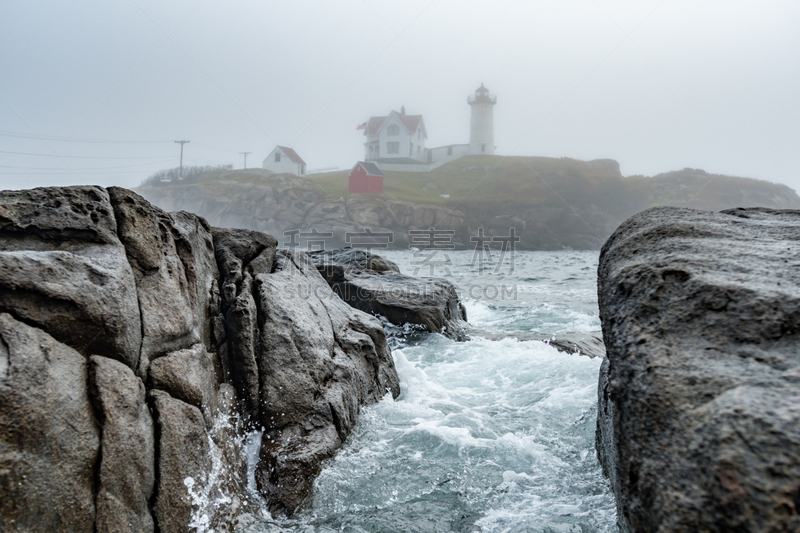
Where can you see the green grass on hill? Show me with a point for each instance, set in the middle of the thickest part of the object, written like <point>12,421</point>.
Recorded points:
<point>493,179</point>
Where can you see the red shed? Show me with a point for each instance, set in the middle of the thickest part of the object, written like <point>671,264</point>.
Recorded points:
<point>366,177</point>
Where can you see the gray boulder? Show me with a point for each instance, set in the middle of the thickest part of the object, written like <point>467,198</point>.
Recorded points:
<point>127,473</point>
<point>235,250</point>
<point>300,371</point>
<point>185,329</point>
<point>318,364</point>
<point>63,269</point>
<point>195,246</point>
<point>375,285</point>
<point>183,462</point>
<point>49,443</point>
<point>698,420</point>
<point>173,278</point>
<point>190,375</point>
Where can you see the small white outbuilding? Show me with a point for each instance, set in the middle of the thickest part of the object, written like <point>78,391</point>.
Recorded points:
<point>284,160</point>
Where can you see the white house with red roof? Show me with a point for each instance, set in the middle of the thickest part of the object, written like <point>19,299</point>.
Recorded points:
<point>395,138</point>
<point>397,141</point>
<point>284,160</point>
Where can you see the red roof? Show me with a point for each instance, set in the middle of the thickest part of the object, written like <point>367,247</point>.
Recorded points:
<point>373,125</point>
<point>292,155</point>
<point>411,122</point>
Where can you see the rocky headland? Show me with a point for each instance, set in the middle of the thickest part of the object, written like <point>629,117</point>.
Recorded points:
<point>277,204</point>
<point>699,400</point>
<point>552,204</point>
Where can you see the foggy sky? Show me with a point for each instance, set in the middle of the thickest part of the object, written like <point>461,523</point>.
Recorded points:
<point>656,85</point>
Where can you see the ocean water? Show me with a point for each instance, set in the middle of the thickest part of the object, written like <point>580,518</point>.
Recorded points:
<point>487,435</point>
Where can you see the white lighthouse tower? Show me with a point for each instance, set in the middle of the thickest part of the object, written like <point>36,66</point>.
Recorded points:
<point>481,132</point>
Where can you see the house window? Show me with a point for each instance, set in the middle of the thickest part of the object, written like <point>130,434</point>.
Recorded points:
<point>410,148</point>
<point>277,157</point>
<point>393,148</point>
<point>483,148</point>
<point>419,134</point>
<point>418,149</point>
<point>302,170</point>
<point>393,130</point>
<point>449,150</point>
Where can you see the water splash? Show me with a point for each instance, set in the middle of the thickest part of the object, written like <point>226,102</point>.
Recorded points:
<point>228,499</point>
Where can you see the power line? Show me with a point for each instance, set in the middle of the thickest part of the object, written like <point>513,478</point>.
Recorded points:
<point>62,139</point>
<point>91,168</point>
<point>214,161</point>
<point>69,172</point>
<point>81,156</point>
<point>245,158</point>
<point>99,141</point>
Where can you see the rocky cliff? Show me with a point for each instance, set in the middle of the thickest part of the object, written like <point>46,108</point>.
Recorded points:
<point>140,349</point>
<point>275,204</point>
<point>699,405</point>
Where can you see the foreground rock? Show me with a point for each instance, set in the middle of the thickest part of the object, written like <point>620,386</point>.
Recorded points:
<point>303,371</point>
<point>375,285</point>
<point>325,361</point>
<point>235,250</point>
<point>172,258</point>
<point>699,403</point>
<point>49,443</point>
<point>183,460</point>
<point>63,269</point>
<point>137,347</point>
<point>127,473</point>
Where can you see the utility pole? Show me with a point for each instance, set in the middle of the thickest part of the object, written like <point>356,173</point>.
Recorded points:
<point>245,158</point>
<point>180,176</point>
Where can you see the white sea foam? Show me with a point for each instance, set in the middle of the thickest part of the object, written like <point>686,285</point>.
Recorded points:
<point>494,424</point>
<point>216,499</point>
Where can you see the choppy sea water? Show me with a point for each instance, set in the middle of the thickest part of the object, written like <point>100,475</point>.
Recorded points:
<point>488,436</point>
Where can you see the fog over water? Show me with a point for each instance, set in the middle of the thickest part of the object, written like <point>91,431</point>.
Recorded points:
<point>656,84</point>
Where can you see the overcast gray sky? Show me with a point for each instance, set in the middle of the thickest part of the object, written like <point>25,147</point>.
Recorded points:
<point>656,85</point>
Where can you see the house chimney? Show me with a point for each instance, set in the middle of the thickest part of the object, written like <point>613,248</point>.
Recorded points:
<point>403,110</point>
